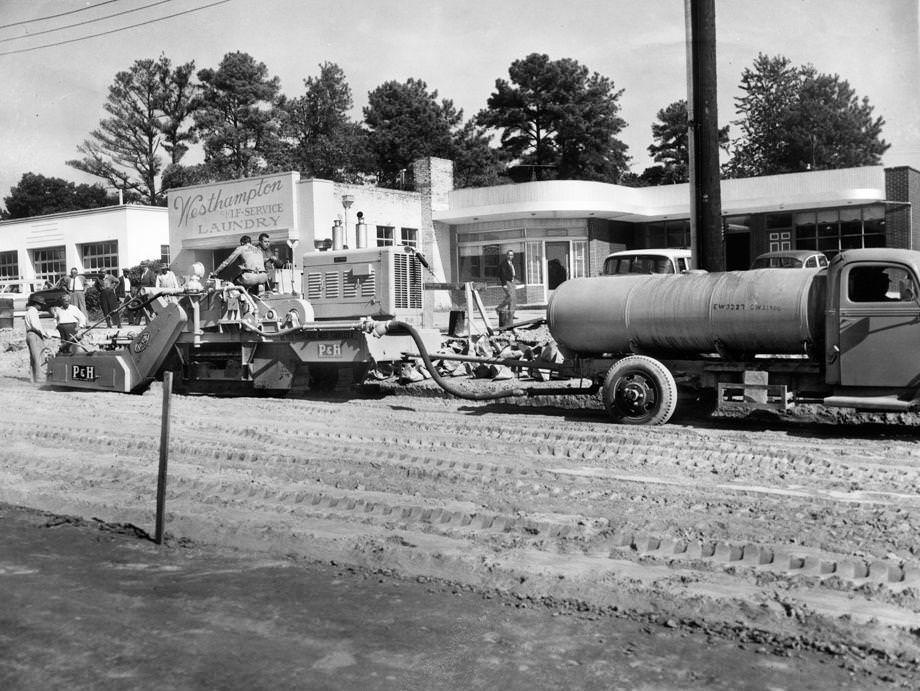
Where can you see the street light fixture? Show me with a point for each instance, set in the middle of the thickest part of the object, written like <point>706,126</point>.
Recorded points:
<point>347,201</point>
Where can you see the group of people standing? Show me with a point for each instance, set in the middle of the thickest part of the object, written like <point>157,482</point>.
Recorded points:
<point>255,270</point>
<point>72,314</point>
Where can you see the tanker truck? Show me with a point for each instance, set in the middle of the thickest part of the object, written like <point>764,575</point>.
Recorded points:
<point>847,336</point>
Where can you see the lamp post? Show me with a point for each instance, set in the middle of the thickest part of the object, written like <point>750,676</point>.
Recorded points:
<point>347,201</point>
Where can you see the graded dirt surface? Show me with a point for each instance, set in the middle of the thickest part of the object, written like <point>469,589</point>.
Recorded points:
<point>91,605</point>
<point>788,534</point>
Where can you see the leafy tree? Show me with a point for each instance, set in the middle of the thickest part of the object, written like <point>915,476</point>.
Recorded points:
<point>36,195</point>
<point>178,101</point>
<point>148,104</point>
<point>555,114</point>
<point>236,116</point>
<point>671,147</point>
<point>407,122</point>
<point>476,163</point>
<point>325,142</point>
<point>795,119</point>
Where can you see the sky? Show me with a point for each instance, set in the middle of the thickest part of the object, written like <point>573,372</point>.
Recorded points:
<point>53,96</point>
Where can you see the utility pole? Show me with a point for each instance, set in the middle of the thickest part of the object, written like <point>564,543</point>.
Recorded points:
<point>706,242</point>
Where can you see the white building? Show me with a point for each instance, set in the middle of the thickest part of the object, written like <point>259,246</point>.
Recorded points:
<point>44,248</point>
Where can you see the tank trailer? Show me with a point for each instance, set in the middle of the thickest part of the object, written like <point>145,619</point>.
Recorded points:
<point>847,336</point>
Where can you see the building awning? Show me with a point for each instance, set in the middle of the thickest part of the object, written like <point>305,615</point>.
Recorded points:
<point>583,199</point>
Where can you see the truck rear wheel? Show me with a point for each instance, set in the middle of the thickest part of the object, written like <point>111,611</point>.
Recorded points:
<point>639,390</point>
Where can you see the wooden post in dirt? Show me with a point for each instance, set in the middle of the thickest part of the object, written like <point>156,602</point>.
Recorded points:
<point>164,456</point>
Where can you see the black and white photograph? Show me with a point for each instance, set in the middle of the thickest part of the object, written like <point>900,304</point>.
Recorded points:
<point>431,344</point>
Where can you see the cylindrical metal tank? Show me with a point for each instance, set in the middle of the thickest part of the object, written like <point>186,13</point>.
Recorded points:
<point>338,235</point>
<point>763,311</point>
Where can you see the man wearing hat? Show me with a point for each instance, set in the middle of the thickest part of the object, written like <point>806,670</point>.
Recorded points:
<point>35,336</point>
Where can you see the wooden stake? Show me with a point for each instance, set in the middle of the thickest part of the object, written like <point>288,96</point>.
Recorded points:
<point>164,456</point>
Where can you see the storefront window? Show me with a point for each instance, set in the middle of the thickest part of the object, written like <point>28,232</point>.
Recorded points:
<point>579,259</point>
<point>534,262</point>
<point>669,234</point>
<point>834,230</point>
<point>9,265</point>
<point>480,262</point>
<point>100,256</point>
<point>49,263</point>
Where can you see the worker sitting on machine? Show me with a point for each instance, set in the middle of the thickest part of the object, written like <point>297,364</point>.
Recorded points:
<point>251,265</point>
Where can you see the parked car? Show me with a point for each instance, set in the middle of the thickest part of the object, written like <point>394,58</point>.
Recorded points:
<point>648,261</point>
<point>791,259</point>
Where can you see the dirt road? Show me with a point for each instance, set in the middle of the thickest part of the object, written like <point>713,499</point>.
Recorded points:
<point>781,532</point>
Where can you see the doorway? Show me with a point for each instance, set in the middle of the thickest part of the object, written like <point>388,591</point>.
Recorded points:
<point>557,263</point>
<point>737,251</point>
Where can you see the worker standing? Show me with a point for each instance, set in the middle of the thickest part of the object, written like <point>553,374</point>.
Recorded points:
<point>108,300</point>
<point>76,286</point>
<point>271,260</point>
<point>123,287</point>
<point>35,337</point>
<point>508,305</point>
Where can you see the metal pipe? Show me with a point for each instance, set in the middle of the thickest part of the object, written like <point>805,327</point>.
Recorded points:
<point>509,362</point>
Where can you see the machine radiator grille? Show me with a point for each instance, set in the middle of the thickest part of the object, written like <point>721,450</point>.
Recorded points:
<point>331,284</point>
<point>362,285</point>
<point>314,286</point>
<point>368,288</point>
<point>407,282</point>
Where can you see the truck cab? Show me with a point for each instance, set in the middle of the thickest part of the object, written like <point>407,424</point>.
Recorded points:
<point>872,328</point>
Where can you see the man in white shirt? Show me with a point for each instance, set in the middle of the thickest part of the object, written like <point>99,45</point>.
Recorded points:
<point>76,285</point>
<point>166,278</point>
<point>68,319</point>
<point>35,337</point>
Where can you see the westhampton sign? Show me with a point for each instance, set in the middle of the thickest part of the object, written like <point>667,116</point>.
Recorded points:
<point>237,207</point>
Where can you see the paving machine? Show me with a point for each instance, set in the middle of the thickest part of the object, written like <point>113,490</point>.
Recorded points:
<point>216,337</point>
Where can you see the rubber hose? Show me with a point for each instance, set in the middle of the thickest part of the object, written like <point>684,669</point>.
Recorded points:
<point>449,387</point>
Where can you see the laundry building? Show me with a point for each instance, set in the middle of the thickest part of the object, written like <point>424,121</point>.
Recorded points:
<point>42,249</point>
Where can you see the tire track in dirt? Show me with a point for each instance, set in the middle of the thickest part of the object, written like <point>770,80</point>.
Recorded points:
<point>433,486</point>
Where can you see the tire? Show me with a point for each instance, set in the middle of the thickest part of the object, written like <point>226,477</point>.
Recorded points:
<point>639,390</point>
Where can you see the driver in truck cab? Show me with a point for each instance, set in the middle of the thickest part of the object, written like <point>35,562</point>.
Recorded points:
<point>250,262</point>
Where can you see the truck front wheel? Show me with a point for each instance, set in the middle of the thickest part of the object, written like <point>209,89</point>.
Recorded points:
<point>639,390</point>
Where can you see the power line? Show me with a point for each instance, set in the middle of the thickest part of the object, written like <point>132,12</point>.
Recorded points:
<point>55,16</point>
<point>88,21</point>
<point>113,31</point>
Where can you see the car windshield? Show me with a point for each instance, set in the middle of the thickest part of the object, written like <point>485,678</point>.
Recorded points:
<point>777,263</point>
<point>638,264</point>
